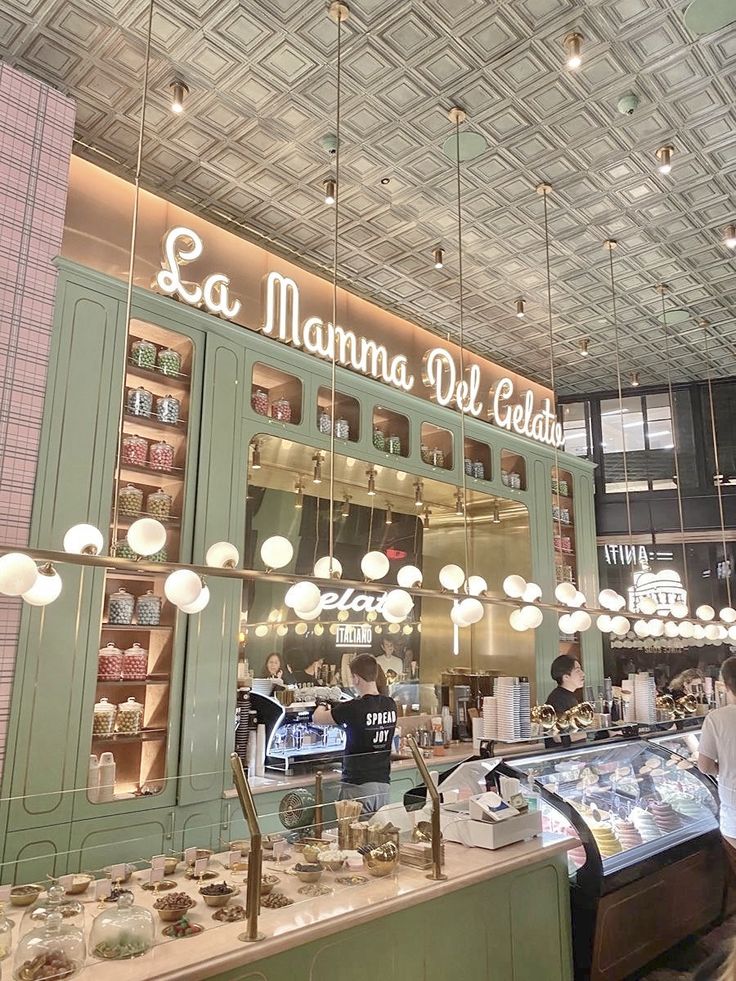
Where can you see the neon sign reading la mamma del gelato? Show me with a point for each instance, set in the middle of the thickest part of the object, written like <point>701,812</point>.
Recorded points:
<point>283,319</point>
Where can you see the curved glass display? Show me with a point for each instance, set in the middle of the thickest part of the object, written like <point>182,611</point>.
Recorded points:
<point>685,744</point>
<point>631,800</point>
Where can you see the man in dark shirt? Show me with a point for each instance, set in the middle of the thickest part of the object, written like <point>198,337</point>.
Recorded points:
<point>568,674</point>
<point>369,722</point>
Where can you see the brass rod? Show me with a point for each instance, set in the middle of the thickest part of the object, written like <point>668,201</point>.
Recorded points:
<point>318,802</point>
<point>255,857</point>
<point>429,783</point>
<point>154,568</point>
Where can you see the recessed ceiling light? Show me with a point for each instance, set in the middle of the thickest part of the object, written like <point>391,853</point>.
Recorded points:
<point>573,44</point>
<point>438,257</point>
<point>584,344</point>
<point>729,236</point>
<point>385,180</point>
<point>520,312</point>
<point>330,191</point>
<point>178,92</point>
<point>664,155</point>
<point>634,379</point>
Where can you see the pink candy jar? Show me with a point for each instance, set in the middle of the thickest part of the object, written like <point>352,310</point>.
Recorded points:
<point>109,663</point>
<point>135,663</point>
<point>161,456</point>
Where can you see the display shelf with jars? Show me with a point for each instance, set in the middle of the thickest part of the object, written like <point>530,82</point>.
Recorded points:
<point>390,432</point>
<point>347,415</point>
<point>130,718</point>
<point>513,470</point>
<point>436,446</point>
<point>276,394</point>
<point>477,459</point>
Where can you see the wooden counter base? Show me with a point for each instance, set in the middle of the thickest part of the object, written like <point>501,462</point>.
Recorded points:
<point>499,915</point>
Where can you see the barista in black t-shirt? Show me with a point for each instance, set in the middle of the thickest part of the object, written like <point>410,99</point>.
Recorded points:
<point>369,722</point>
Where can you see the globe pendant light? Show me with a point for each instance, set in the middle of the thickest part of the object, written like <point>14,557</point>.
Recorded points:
<point>532,593</point>
<point>471,610</point>
<point>397,605</point>
<point>451,578</point>
<point>83,540</point>
<point>222,555</point>
<point>565,593</point>
<point>328,568</point>
<point>46,588</point>
<point>705,612</point>
<point>199,604</point>
<point>517,622</point>
<point>303,596</point>
<point>531,617</point>
<point>374,565</point>
<point>18,574</point>
<point>514,586</point>
<point>146,536</point>
<point>476,586</point>
<point>276,552</point>
<point>409,577</point>
<point>182,587</point>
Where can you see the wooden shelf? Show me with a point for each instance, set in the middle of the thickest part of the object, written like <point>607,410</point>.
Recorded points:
<point>139,737</point>
<point>140,627</point>
<point>151,422</point>
<point>126,520</point>
<point>153,374</point>
<point>131,472</point>
<point>150,680</point>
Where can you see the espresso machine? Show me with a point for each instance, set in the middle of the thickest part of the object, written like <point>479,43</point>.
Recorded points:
<point>463,692</point>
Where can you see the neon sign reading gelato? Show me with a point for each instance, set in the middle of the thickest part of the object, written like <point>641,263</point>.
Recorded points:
<point>283,320</point>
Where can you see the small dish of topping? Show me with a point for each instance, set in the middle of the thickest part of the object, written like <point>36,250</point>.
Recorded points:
<point>276,900</point>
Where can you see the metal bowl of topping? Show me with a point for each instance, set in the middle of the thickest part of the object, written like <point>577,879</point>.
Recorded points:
<point>24,895</point>
<point>218,894</point>
<point>172,907</point>
<point>268,882</point>
<point>308,873</point>
<point>80,883</point>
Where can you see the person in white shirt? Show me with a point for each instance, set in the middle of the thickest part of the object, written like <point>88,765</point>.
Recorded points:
<point>388,659</point>
<point>717,757</point>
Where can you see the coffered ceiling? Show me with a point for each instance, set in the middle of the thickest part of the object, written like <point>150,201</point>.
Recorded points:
<point>248,153</point>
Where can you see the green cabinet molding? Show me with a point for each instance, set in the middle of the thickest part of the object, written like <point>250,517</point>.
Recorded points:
<point>45,810</point>
<point>515,926</point>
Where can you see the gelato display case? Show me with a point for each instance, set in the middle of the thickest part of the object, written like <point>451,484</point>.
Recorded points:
<point>684,744</point>
<point>648,870</point>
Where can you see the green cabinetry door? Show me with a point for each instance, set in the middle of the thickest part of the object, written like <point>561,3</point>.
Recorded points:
<point>76,465</point>
<point>97,842</point>
<point>31,855</point>
<point>211,668</point>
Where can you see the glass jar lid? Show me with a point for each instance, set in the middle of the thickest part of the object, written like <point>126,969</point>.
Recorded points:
<point>130,705</point>
<point>148,596</point>
<point>121,594</point>
<point>159,494</point>
<point>104,706</point>
<point>109,649</point>
<point>136,649</point>
<point>162,443</point>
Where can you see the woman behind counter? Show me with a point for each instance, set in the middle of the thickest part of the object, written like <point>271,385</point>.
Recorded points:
<point>369,722</point>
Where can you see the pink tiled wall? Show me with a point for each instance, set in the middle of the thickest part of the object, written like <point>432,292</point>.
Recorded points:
<point>36,129</point>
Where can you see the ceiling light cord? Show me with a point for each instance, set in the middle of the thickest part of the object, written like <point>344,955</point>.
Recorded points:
<point>457,116</point>
<point>340,13</point>
<point>611,244</point>
<point>726,560</point>
<point>131,267</point>
<point>544,190</point>
<point>663,289</point>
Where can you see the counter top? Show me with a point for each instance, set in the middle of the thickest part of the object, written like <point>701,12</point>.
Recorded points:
<point>218,949</point>
<point>279,781</point>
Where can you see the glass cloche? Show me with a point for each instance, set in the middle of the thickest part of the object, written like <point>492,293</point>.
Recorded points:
<point>52,951</point>
<point>56,902</point>
<point>123,931</point>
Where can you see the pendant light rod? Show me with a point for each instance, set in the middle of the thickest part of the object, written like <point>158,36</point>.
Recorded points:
<point>719,491</point>
<point>611,244</point>
<point>339,12</point>
<point>131,269</point>
<point>663,289</point>
<point>458,116</point>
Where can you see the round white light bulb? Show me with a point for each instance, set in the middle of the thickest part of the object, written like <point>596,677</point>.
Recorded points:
<point>581,621</point>
<point>303,596</point>
<point>146,536</point>
<point>680,610</point>
<point>565,623</point>
<point>732,633</point>
<point>456,615</point>
<point>620,626</point>
<point>514,586</point>
<point>604,623</point>
<point>222,555</point>
<point>532,617</point>
<point>46,588</point>
<point>656,627</point>
<point>517,621</point>
<point>83,540</point>
<point>695,630</point>
<point>565,593</point>
<point>578,599</point>
<point>641,628</point>
<point>182,587</point>
<point>18,574</point>
<point>532,593</point>
<point>451,578</point>
<point>711,632</point>
<point>199,604</point>
<point>728,614</point>
<point>409,577</point>
<point>325,568</point>
<point>309,614</point>
<point>671,630</point>
<point>374,565</point>
<point>647,606</point>
<point>705,612</point>
<point>471,610</point>
<point>276,552</point>
<point>608,599</point>
<point>398,603</point>
<point>476,586</point>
